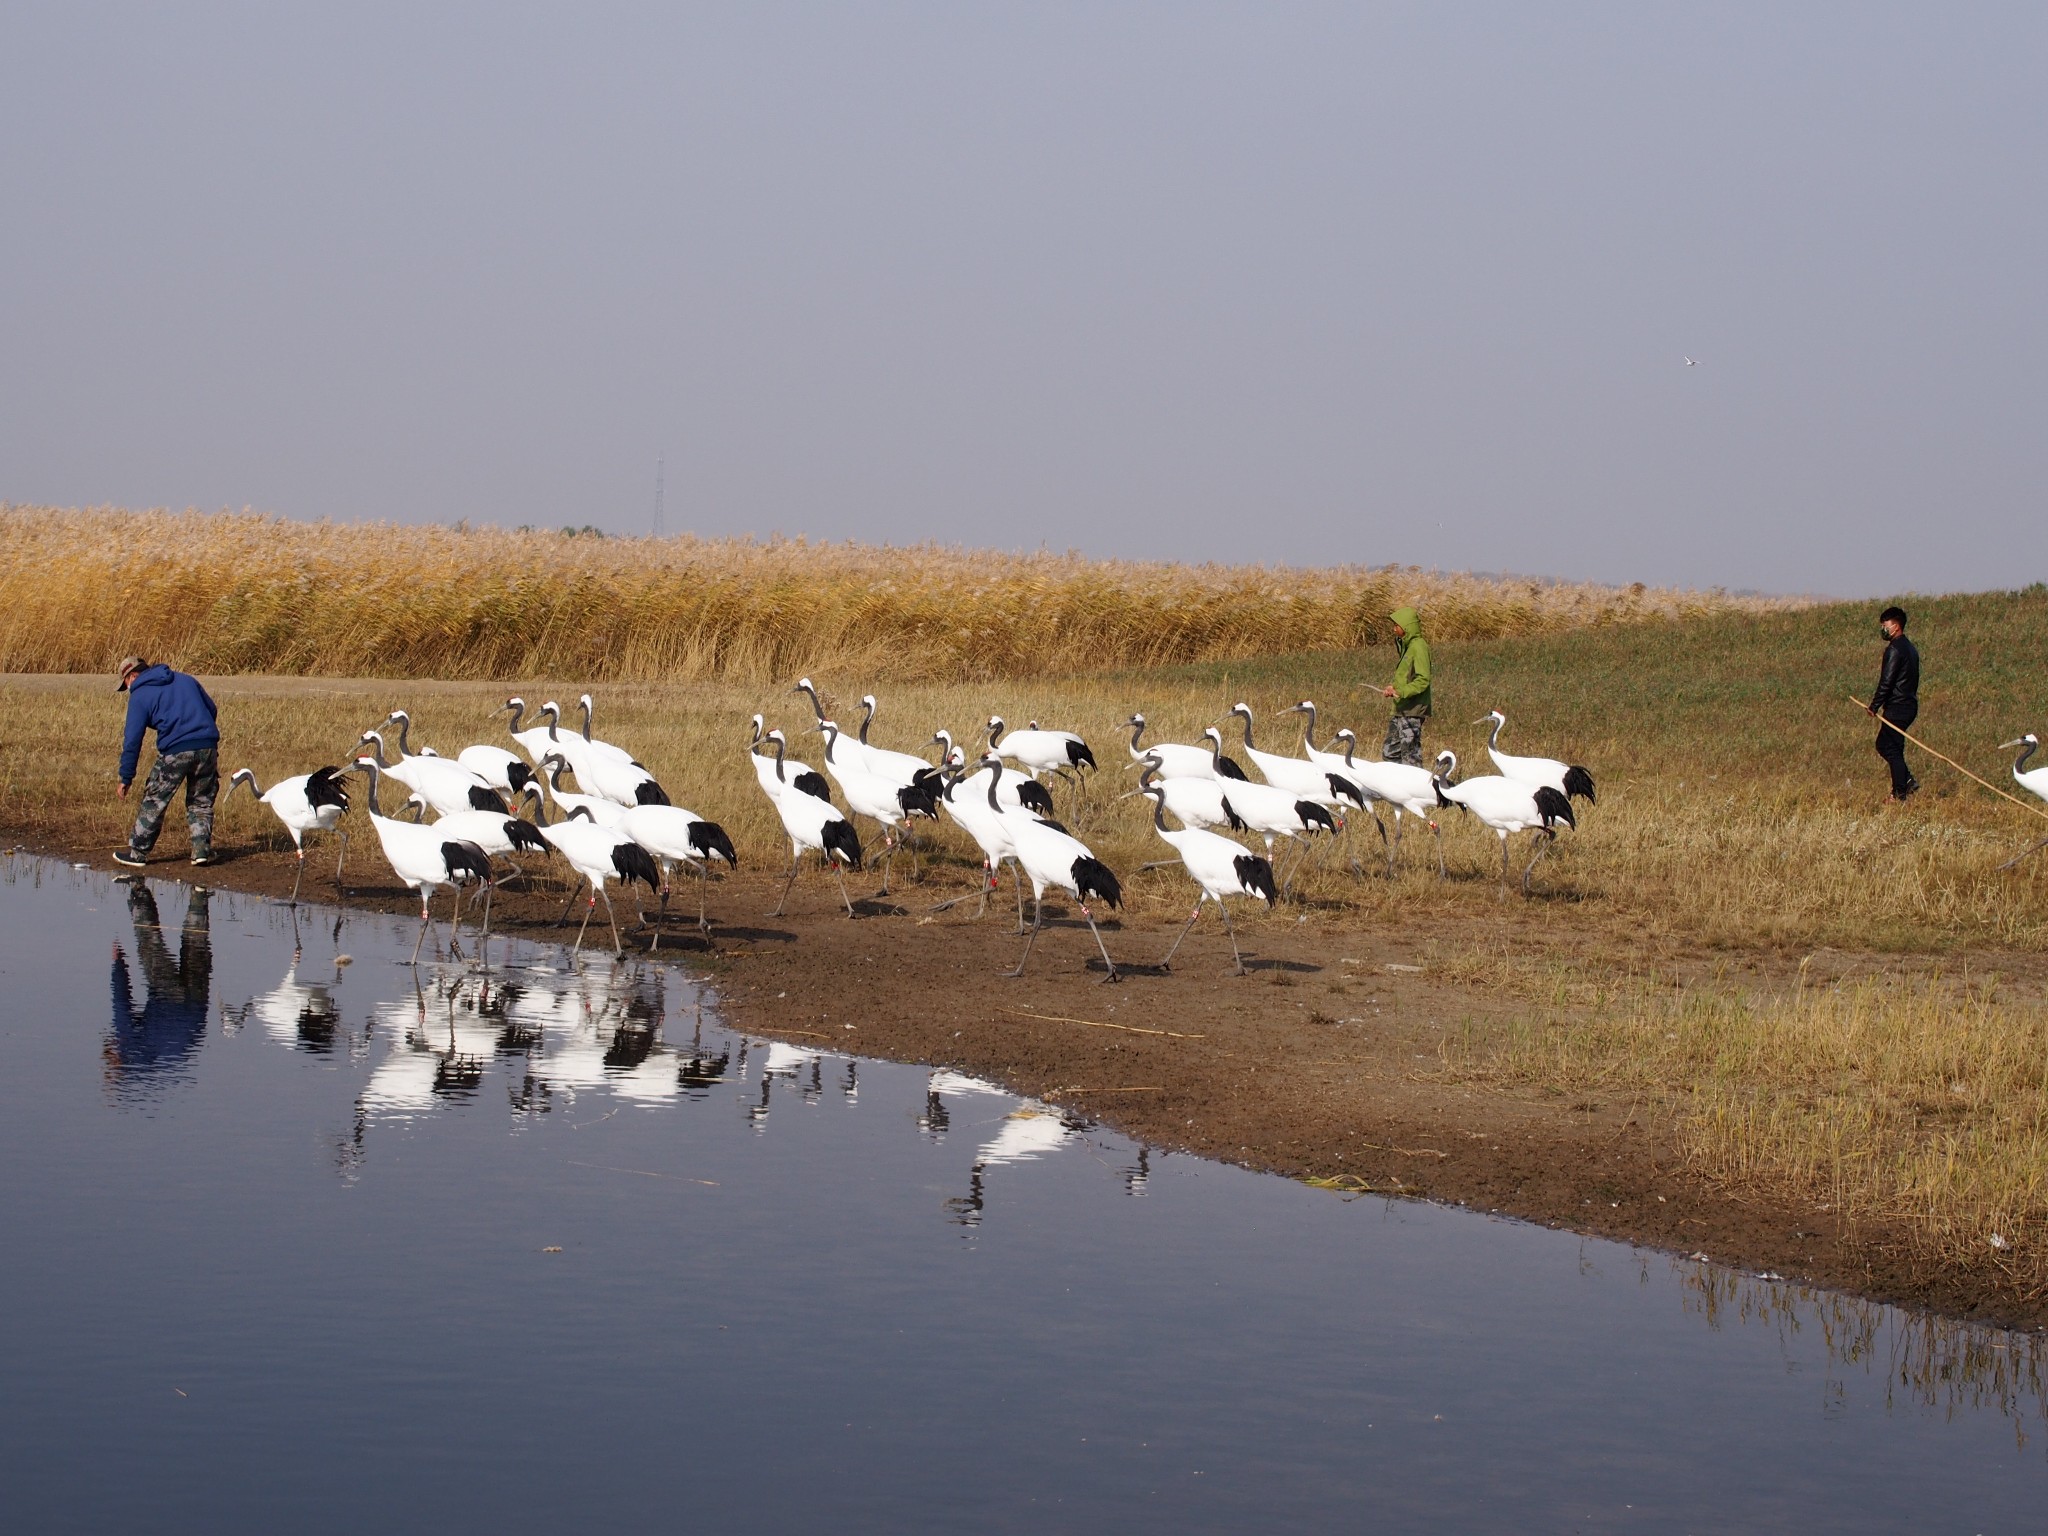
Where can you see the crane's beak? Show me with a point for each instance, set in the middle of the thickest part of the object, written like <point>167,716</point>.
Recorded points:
<point>1482,720</point>
<point>2007,746</point>
<point>1292,709</point>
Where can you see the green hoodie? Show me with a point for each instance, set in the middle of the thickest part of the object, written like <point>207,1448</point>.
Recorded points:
<point>1411,677</point>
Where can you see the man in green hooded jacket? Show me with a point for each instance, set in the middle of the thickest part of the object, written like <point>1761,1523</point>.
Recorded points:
<point>1410,691</point>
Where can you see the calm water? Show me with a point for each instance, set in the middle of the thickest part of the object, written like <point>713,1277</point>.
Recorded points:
<point>280,1254</point>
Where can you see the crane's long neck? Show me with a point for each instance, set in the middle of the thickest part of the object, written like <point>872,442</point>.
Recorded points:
<point>2026,751</point>
<point>1493,741</point>
<point>1158,812</point>
<point>404,724</point>
<point>584,705</point>
<point>376,773</point>
<point>378,756</point>
<point>1308,727</point>
<point>1137,730</point>
<point>554,719</point>
<point>516,708</point>
<point>1350,746</point>
<point>780,776</point>
<point>867,718</point>
<point>831,734</point>
<point>812,693</point>
<point>1215,740</point>
<point>248,776</point>
<point>1246,716</point>
<point>995,731</point>
<point>995,778</point>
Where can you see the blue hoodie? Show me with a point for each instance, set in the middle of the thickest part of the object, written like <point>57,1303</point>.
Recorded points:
<point>175,707</point>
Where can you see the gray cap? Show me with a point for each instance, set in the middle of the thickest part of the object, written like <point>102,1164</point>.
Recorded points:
<point>130,665</point>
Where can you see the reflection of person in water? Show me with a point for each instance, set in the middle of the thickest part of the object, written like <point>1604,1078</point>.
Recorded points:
<point>172,1021</point>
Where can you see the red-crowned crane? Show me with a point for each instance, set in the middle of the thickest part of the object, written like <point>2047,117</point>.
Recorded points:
<point>422,857</point>
<point>1042,751</point>
<point>305,802</point>
<point>598,854</point>
<point>677,836</point>
<point>1508,806</point>
<point>1059,859</point>
<point>1013,786</point>
<point>880,799</point>
<point>1179,760</point>
<point>1410,790</point>
<point>776,776</point>
<point>1569,780</point>
<point>1297,775</point>
<point>442,782</point>
<point>812,823</point>
<point>1219,867</point>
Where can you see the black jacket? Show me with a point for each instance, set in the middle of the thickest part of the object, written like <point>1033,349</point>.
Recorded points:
<point>1898,683</point>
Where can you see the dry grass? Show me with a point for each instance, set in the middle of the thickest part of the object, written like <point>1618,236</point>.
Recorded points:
<point>1913,1104</point>
<point>229,592</point>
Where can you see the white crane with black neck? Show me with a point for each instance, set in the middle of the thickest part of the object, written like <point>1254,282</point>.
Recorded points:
<point>1051,857</point>
<point>776,776</point>
<point>2033,780</point>
<point>1507,806</point>
<point>1042,751</point>
<point>424,858</point>
<point>811,824</point>
<point>1182,760</point>
<point>1410,790</point>
<point>305,802</point>
<point>442,782</point>
<point>598,854</point>
<point>1218,866</point>
<point>880,799</point>
<point>1568,779</point>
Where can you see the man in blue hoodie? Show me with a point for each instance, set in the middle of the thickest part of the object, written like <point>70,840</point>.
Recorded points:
<point>187,752</point>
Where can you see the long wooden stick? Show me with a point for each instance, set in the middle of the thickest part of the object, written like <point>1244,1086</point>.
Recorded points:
<point>1959,768</point>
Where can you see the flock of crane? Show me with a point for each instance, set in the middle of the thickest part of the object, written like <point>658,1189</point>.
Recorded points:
<point>619,824</point>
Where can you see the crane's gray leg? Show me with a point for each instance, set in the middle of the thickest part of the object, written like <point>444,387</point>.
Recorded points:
<point>1167,963</point>
<point>839,874</point>
<point>618,944</point>
<point>1442,870</point>
<point>293,899</point>
<point>703,887</point>
<point>1503,864</point>
<point>1114,974</point>
<point>1394,847</point>
<point>340,859</point>
<point>1037,921</point>
<point>785,890</point>
<point>1231,929</point>
<point>574,891</point>
<point>1543,841</point>
<point>490,887</point>
<point>425,918</point>
<point>584,926</point>
<point>888,857</point>
<point>2008,864</point>
<point>1017,873</point>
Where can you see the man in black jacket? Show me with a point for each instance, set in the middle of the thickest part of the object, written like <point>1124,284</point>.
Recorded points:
<point>1897,700</point>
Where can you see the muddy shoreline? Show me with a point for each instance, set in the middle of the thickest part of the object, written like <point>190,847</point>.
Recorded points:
<point>1325,1062</point>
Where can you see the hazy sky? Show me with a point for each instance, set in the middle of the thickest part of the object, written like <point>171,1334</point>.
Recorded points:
<point>1254,282</point>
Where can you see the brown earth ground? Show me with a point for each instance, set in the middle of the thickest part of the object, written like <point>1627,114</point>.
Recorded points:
<point>1327,1061</point>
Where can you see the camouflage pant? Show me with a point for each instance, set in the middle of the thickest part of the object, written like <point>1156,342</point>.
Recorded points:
<point>199,771</point>
<point>1404,740</point>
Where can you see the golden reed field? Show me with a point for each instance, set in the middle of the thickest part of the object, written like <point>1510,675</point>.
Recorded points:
<point>239,592</point>
<point>1829,1004</point>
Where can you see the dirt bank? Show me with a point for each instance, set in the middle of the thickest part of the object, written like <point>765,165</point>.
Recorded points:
<point>1326,1061</point>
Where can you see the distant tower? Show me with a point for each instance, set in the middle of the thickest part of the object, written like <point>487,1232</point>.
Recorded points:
<point>660,468</point>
